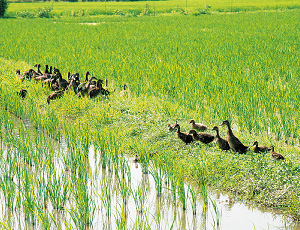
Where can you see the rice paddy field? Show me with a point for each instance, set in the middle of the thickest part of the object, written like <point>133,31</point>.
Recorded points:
<point>68,164</point>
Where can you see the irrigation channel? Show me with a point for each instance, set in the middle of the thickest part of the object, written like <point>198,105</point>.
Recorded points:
<point>120,198</point>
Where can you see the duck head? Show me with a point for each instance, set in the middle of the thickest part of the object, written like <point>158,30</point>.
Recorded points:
<point>192,121</point>
<point>215,128</point>
<point>255,143</point>
<point>226,122</point>
<point>192,131</point>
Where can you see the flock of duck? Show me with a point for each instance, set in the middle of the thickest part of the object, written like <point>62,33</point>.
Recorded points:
<point>231,142</point>
<point>93,87</point>
<point>52,77</point>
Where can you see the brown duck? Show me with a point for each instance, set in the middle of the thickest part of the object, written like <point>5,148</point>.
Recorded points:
<point>55,95</point>
<point>198,126</point>
<point>172,127</point>
<point>185,137</point>
<point>38,69</point>
<point>276,156</point>
<point>234,143</point>
<point>22,93</point>
<point>222,143</point>
<point>203,137</point>
<point>260,149</point>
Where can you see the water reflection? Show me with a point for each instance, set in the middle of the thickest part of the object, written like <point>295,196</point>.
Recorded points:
<point>158,212</point>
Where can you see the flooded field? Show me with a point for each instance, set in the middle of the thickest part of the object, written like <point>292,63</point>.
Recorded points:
<point>118,193</point>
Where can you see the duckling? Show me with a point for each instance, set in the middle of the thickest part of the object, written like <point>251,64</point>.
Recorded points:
<point>222,143</point>
<point>22,93</point>
<point>185,137</point>
<point>203,137</point>
<point>124,91</point>
<point>172,127</point>
<point>198,126</point>
<point>276,156</point>
<point>259,149</point>
<point>55,95</point>
<point>234,143</point>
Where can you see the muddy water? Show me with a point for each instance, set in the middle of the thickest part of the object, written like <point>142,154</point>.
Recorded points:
<point>159,212</point>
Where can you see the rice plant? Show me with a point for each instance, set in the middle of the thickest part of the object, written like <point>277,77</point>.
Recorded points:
<point>105,195</point>
<point>140,196</point>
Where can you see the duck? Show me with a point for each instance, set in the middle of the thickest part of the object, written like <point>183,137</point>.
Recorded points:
<point>185,137</point>
<point>62,83</point>
<point>47,69</point>
<point>21,77</point>
<point>124,91</point>
<point>203,137</point>
<point>55,95</point>
<point>276,156</point>
<point>222,143</point>
<point>74,82</point>
<point>95,91</point>
<point>86,88</point>
<point>235,144</point>
<point>172,127</point>
<point>82,84</point>
<point>198,126</point>
<point>259,149</point>
<point>136,159</point>
<point>38,69</point>
<point>22,93</point>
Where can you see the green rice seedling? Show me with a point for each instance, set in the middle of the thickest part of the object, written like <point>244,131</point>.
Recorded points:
<point>57,189</point>
<point>121,217</point>
<point>156,173</point>
<point>200,171</point>
<point>105,195</point>
<point>6,224</point>
<point>124,189</point>
<point>193,199</point>
<point>8,188</point>
<point>182,194</point>
<point>28,201</point>
<point>44,217</point>
<point>217,213</point>
<point>173,181</point>
<point>124,169</point>
<point>139,196</point>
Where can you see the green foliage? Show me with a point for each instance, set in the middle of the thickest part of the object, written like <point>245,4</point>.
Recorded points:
<point>43,12</point>
<point>3,7</point>
<point>205,10</point>
<point>25,14</point>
